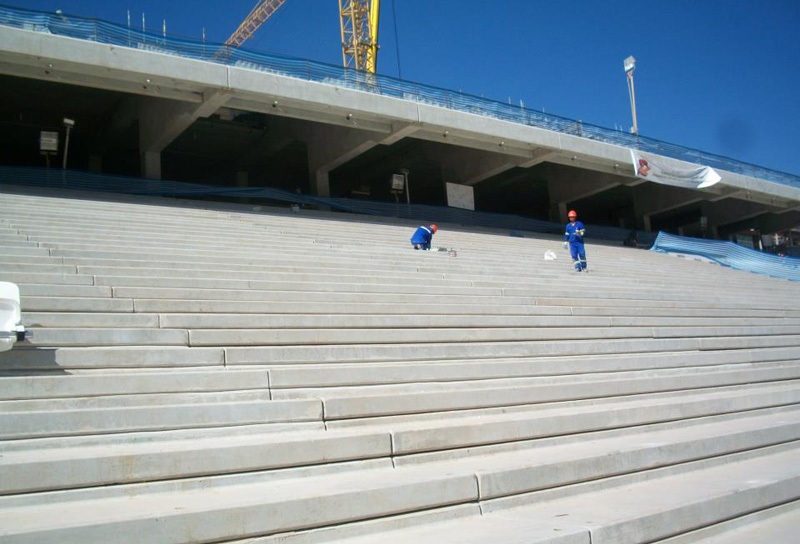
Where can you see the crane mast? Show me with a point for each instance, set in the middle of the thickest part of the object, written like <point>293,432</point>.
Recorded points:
<point>359,23</point>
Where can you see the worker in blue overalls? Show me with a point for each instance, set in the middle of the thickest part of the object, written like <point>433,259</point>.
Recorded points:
<point>421,239</point>
<point>573,236</point>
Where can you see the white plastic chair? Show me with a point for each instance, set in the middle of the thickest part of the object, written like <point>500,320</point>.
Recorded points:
<point>11,328</point>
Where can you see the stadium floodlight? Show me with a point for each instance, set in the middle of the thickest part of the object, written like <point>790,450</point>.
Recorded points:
<point>629,64</point>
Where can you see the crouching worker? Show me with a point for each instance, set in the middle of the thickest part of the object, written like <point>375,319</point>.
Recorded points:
<point>573,238</point>
<point>421,239</point>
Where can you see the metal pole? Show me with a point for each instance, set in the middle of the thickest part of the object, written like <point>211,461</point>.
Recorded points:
<point>66,148</point>
<point>405,173</point>
<point>632,94</point>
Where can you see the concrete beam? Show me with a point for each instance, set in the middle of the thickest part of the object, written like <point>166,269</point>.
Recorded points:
<point>267,145</point>
<point>762,198</point>
<point>568,185</point>
<point>765,222</point>
<point>733,211</point>
<point>469,166</point>
<point>400,131</point>
<point>652,198</point>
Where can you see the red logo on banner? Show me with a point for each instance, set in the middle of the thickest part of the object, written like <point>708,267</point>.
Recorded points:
<point>644,168</point>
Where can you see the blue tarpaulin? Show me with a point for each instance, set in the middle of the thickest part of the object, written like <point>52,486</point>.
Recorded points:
<point>730,254</point>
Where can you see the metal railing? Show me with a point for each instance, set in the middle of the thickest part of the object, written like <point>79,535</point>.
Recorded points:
<point>110,33</point>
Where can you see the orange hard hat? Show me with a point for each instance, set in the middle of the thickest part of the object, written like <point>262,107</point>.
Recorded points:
<point>434,228</point>
<point>572,213</point>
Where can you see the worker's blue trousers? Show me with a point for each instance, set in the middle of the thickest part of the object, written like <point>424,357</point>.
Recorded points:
<point>578,255</point>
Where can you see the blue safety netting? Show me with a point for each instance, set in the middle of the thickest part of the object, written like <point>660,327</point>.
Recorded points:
<point>105,183</point>
<point>121,36</point>
<point>730,254</point>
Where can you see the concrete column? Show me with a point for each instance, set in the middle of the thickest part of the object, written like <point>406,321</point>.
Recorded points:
<point>162,120</point>
<point>95,163</point>
<point>242,179</point>
<point>562,213</point>
<point>321,182</point>
<point>332,146</point>
<point>151,164</point>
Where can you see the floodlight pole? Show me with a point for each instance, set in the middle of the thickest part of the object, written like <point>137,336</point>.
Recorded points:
<point>630,66</point>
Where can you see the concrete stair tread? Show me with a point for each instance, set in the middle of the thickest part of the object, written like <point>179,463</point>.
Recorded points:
<point>499,474</point>
<point>344,407</point>
<point>640,512</point>
<point>105,383</point>
<point>344,374</point>
<point>778,524</point>
<point>246,355</point>
<point>134,400</point>
<point>276,507</point>
<point>280,384</point>
<point>335,500</point>
<point>782,369</point>
<point>44,423</point>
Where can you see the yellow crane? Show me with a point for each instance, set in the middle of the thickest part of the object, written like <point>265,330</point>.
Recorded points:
<point>259,14</point>
<point>358,20</point>
<point>359,23</point>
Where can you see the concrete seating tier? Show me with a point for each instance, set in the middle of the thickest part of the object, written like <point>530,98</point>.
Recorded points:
<point>247,374</point>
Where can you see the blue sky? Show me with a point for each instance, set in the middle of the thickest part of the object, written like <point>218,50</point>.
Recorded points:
<point>722,76</point>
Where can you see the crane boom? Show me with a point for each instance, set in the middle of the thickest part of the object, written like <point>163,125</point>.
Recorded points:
<point>358,20</point>
<point>359,23</point>
<point>263,11</point>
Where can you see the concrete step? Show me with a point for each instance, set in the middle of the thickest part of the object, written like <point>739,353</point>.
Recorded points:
<point>281,506</point>
<point>425,437</point>
<point>492,350</point>
<point>421,437</point>
<point>361,404</point>
<point>134,400</point>
<point>231,287</point>
<point>54,303</point>
<point>142,417</point>
<point>646,511</point>
<point>320,321</point>
<point>37,267</point>
<point>16,387</point>
<point>133,357</point>
<point>778,524</point>
<point>118,336</point>
<point>344,374</point>
<point>46,278</point>
<point>56,337</point>
<point>258,508</point>
<point>778,369</point>
<point>295,337</point>
<point>92,320</point>
<point>319,390</point>
<point>499,474</point>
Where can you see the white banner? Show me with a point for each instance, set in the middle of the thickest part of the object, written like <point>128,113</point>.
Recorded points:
<point>647,167</point>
